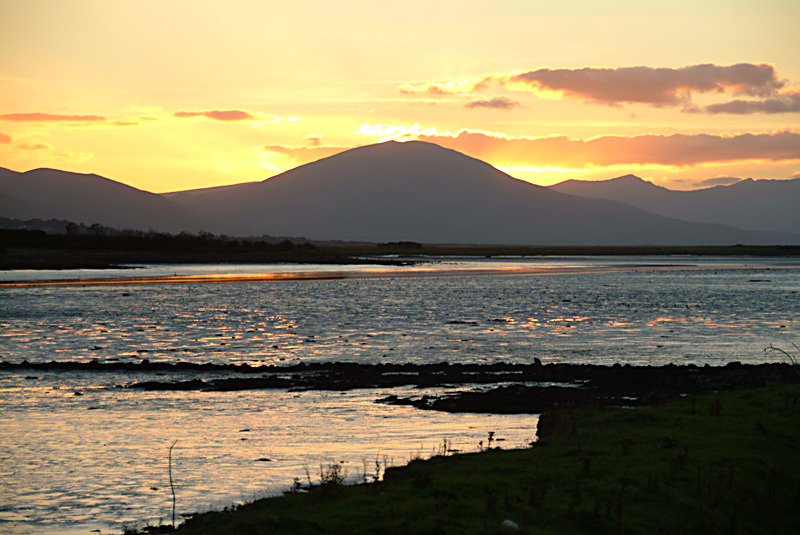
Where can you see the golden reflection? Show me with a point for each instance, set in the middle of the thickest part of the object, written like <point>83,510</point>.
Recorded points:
<point>371,274</point>
<point>570,319</point>
<point>617,323</point>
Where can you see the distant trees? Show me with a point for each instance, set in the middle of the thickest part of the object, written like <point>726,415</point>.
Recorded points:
<point>400,245</point>
<point>72,229</point>
<point>97,229</point>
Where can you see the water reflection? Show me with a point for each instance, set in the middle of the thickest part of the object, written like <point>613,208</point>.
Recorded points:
<point>98,460</point>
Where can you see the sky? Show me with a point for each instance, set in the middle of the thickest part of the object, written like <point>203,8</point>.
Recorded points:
<point>175,95</point>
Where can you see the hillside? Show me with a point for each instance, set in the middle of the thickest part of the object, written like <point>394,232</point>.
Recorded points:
<point>85,198</point>
<point>422,192</point>
<point>767,205</point>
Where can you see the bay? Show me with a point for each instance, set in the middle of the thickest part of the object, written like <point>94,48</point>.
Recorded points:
<point>78,453</point>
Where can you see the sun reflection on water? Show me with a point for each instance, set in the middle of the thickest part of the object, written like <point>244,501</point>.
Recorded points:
<point>78,449</point>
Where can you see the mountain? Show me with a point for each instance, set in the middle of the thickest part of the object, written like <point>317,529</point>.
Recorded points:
<point>767,205</point>
<point>422,192</point>
<point>201,191</point>
<point>89,199</point>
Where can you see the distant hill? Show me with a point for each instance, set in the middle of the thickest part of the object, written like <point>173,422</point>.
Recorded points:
<point>52,194</point>
<point>388,192</point>
<point>767,205</point>
<point>202,191</point>
<point>421,192</point>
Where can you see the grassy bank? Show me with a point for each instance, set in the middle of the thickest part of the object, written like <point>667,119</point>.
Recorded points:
<point>716,464</point>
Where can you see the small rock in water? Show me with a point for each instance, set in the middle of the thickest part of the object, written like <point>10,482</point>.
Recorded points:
<point>510,524</point>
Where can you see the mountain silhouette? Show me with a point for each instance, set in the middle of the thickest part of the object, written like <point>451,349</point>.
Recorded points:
<point>412,191</point>
<point>422,192</point>
<point>767,205</point>
<point>89,199</point>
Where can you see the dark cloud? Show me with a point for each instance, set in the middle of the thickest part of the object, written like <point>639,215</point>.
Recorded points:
<point>655,86</point>
<point>5,138</point>
<point>676,150</point>
<point>785,103</point>
<point>46,117</point>
<point>616,86</point>
<point>218,115</point>
<point>498,103</point>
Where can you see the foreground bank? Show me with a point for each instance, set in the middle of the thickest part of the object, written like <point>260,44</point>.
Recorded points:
<point>721,463</point>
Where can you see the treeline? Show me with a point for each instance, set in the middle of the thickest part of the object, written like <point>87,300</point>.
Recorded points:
<point>100,247</point>
<point>101,238</point>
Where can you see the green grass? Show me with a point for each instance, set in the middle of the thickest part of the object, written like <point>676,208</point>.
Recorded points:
<point>715,464</point>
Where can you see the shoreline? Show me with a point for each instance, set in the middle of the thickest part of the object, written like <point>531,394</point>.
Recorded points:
<point>725,461</point>
<point>380,274</point>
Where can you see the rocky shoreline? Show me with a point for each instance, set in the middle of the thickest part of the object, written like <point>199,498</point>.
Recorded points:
<point>515,388</point>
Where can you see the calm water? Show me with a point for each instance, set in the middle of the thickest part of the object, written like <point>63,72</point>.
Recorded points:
<point>99,460</point>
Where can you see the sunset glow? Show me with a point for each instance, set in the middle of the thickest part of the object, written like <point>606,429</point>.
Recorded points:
<point>168,96</point>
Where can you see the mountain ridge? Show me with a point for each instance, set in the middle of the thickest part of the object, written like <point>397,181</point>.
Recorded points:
<point>763,205</point>
<point>89,198</point>
<point>393,191</point>
<point>422,192</point>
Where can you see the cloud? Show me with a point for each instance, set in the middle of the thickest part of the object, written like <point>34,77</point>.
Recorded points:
<point>218,115</point>
<point>784,103</point>
<point>672,150</point>
<point>5,138</point>
<point>717,181</point>
<point>441,89</point>
<point>301,155</point>
<point>385,132</point>
<point>615,86</point>
<point>498,103</point>
<point>77,157</point>
<point>48,117</point>
<point>314,140</point>
<point>33,146</point>
<point>655,86</point>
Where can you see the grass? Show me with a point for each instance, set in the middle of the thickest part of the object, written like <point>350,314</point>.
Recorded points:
<point>723,463</point>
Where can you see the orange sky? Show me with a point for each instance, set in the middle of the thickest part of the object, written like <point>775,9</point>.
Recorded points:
<point>178,95</point>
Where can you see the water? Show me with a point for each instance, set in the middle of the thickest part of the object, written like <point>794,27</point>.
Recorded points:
<point>99,461</point>
<point>80,454</point>
<point>637,317</point>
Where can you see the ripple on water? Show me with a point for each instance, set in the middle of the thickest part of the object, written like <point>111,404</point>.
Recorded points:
<point>104,467</point>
